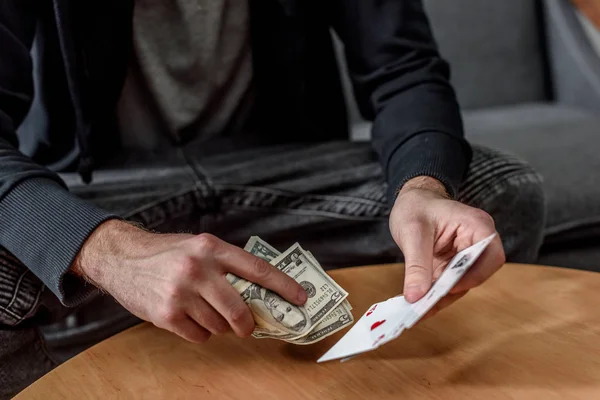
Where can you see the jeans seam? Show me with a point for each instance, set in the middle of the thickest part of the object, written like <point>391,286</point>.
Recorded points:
<point>343,201</point>
<point>204,181</point>
<point>328,214</point>
<point>16,291</point>
<point>497,189</point>
<point>12,314</point>
<point>44,348</point>
<point>34,303</point>
<point>161,200</point>
<point>279,192</point>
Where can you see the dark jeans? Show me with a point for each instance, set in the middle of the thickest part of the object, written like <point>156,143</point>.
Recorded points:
<point>328,197</point>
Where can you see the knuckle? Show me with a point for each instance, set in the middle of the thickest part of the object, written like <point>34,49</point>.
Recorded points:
<point>238,313</point>
<point>483,217</point>
<point>219,326</point>
<point>262,269</point>
<point>169,316</point>
<point>172,294</point>
<point>416,269</point>
<point>214,323</point>
<point>240,318</point>
<point>206,244</point>
<point>187,266</point>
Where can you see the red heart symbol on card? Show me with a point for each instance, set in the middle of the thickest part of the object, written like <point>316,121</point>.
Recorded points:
<point>371,310</point>
<point>377,324</point>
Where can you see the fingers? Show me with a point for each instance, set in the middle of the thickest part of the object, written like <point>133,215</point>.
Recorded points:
<point>254,269</point>
<point>206,316</point>
<point>229,304</point>
<point>416,241</point>
<point>189,330</point>
<point>488,263</point>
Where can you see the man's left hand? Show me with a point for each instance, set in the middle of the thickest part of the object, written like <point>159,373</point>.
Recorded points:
<point>430,229</point>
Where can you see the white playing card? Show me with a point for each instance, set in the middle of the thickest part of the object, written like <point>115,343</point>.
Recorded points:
<point>455,270</point>
<point>356,341</point>
<point>385,321</point>
<point>381,323</point>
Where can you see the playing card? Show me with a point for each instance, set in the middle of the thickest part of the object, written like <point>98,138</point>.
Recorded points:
<point>356,341</point>
<point>381,323</point>
<point>387,320</point>
<point>455,270</point>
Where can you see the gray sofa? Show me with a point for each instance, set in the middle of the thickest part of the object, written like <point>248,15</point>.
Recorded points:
<point>528,80</point>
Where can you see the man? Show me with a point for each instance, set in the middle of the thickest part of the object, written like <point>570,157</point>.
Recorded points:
<point>224,119</point>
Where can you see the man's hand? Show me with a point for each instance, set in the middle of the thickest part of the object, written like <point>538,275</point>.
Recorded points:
<point>178,281</point>
<point>430,229</point>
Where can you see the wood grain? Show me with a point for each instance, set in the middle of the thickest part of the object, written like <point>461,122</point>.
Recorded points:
<point>530,332</point>
<point>591,9</point>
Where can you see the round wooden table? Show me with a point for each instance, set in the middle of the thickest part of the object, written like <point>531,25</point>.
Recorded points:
<point>530,332</point>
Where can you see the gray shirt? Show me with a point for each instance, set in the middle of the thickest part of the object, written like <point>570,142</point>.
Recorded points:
<point>191,72</point>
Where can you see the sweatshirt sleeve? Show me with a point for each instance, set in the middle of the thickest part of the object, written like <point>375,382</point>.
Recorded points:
<point>402,84</point>
<point>41,222</point>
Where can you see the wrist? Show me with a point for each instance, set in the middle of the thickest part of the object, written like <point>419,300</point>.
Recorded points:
<point>425,183</point>
<point>98,251</point>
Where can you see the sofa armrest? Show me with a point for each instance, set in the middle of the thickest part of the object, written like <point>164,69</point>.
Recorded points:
<point>574,63</point>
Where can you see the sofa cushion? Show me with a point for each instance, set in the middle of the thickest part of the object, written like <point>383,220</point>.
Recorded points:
<point>495,51</point>
<point>562,144</point>
<point>494,48</point>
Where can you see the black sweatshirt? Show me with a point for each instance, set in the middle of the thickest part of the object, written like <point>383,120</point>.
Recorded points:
<point>82,50</point>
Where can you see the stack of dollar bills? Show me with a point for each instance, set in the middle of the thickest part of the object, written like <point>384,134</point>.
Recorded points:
<point>325,312</point>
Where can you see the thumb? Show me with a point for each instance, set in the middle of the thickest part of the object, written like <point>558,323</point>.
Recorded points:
<point>416,241</point>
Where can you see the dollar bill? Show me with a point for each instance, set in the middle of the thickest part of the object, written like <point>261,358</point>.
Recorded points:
<point>261,249</point>
<point>274,316</point>
<point>264,250</point>
<point>346,303</point>
<point>324,294</point>
<point>333,322</point>
<point>268,308</point>
<point>277,318</point>
<point>336,316</point>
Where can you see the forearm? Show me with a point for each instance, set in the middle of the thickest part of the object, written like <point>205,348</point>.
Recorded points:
<point>403,85</point>
<point>109,246</point>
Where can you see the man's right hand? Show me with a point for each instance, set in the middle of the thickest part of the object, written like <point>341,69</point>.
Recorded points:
<point>178,281</point>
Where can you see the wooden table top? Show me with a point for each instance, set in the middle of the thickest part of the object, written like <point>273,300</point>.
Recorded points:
<point>530,332</point>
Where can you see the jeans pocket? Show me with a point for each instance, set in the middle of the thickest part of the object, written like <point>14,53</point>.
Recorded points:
<point>20,290</point>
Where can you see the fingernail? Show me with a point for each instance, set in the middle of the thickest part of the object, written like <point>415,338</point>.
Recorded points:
<point>302,296</point>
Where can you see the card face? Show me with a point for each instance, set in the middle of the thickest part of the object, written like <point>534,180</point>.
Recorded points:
<point>356,341</point>
<point>385,321</point>
<point>454,271</point>
<point>381,323</point>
